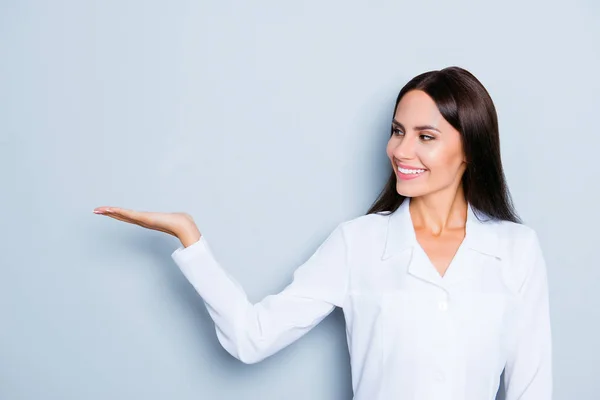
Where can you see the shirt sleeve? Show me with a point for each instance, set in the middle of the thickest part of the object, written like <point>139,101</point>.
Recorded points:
<point>252,332</point>
<point>528,372</point>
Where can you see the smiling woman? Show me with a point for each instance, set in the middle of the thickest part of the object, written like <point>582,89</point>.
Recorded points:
<point>442,288</point>
<point>445,127</point>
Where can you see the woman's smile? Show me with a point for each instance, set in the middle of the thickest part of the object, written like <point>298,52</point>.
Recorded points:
<point>405,172</point>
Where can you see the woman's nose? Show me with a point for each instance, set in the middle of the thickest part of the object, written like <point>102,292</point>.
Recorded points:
<point>405,149</point>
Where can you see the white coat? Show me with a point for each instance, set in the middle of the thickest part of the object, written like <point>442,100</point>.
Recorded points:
<point>411,333</point>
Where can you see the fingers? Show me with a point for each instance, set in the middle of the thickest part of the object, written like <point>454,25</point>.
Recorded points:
<point>163,222</point>
<point>118,213</point>
<point>143,219</point>
<point>107,210</point>
<point>115,211</point>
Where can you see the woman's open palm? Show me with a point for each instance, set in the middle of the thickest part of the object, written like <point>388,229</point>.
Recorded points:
<point>173,223</point>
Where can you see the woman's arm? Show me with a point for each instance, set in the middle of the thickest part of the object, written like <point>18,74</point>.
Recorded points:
<point>252,332</point>
<point>528,372</point>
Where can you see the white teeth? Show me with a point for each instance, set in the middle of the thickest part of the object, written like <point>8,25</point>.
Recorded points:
<point>410,171</point>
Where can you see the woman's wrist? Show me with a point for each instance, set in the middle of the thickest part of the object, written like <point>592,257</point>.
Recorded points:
<point>188,235</point>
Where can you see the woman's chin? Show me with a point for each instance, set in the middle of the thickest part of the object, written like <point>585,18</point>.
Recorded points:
<point>407,190</point>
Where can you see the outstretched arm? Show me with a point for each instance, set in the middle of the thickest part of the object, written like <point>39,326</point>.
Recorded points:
<point>252,332</point>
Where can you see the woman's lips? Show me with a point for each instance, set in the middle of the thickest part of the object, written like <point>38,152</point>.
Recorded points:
<point>407,173</point>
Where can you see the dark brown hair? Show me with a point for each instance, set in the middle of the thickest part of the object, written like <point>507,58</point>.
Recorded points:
<point>465,103</point>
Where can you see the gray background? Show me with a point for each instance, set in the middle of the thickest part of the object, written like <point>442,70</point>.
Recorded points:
<point>267,121</point>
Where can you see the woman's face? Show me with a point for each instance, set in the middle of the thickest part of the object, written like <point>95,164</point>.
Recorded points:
<point>425,150</point>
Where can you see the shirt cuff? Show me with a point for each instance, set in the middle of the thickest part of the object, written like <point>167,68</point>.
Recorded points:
<point>196,249</point>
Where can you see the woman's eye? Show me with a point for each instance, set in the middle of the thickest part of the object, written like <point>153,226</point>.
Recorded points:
<point>397,132</point>
<point>426,138</point>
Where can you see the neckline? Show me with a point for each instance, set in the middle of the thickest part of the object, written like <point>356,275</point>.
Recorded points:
<point>457,254</point>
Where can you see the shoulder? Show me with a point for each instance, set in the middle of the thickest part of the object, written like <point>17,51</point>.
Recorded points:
<point>365,231</point>
<point>514,237</point>
<point>364,224</point>
<point>521,251</point>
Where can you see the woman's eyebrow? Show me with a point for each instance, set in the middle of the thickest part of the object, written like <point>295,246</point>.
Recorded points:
<point>417,128</point>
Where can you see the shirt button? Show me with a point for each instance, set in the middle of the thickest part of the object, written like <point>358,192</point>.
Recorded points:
<point>443,305</point>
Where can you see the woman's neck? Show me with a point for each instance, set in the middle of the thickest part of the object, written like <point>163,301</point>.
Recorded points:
<point>439,212</point>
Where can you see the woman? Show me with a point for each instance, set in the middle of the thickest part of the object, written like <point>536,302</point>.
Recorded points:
<point>441,286</point>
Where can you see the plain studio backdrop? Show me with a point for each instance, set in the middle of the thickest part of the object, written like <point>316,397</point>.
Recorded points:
<point>267,121</point>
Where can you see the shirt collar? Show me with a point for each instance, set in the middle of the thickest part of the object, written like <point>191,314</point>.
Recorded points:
<point>480,233</point>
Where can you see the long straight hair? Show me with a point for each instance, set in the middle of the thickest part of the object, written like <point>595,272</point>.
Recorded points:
<point>465,103</point>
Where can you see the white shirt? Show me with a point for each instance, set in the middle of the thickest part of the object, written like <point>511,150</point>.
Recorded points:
<point>411,333</point>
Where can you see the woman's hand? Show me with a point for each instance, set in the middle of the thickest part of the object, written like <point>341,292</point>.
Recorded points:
<point>178,224</point>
